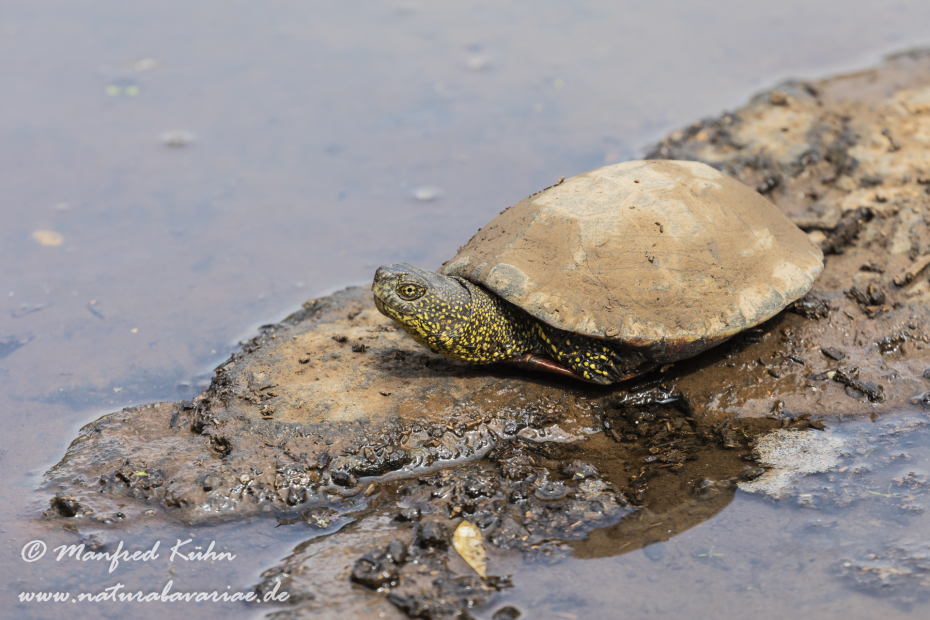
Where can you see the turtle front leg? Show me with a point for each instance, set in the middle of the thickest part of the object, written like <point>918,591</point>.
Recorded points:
<point>591,359</point>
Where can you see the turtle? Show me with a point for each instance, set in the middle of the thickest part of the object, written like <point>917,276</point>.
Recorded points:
<point>609,274</point>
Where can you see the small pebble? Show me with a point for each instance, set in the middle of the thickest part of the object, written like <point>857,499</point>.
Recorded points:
<point>177,138</point>
<point>553,489</point>
<point>433,535</point>
<point>579,470</point>
<point>750,473</point>
<point>655,551</point>
<point>777,97</point>
<point>145,64</point>
<point>477,62</point>
<point>372,570</point>
<point>397,551</point>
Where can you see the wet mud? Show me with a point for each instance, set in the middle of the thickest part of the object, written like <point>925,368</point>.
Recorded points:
<point>336,421</point>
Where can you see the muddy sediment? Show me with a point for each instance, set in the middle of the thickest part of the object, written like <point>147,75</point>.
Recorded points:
<point>335,415</point>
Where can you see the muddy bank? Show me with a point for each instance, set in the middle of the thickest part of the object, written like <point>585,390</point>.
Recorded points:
<point>317,409</point>
<point>335,415</point>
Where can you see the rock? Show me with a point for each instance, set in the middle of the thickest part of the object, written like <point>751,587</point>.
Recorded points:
<point>397,551</point>
<point>433,535</point>
<point>409,514</point>
<point>66,506</point>
<point>374,570</point>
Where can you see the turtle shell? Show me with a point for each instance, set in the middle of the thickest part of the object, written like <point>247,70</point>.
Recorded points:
<point>666,257</point>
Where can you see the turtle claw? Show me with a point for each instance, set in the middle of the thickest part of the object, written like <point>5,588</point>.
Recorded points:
<point>530,361</point>
<point>537,362</point>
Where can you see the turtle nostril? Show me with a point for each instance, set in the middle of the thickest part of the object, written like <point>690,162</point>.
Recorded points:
<point>381,276</point>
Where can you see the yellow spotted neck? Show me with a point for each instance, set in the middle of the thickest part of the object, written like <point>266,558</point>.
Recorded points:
<point>486,330</point>
<point>481,328</point>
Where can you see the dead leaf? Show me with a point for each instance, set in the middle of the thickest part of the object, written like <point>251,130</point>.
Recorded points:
<point>467,541</point>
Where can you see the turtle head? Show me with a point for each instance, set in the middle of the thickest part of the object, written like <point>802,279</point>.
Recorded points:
<point>430,307</point>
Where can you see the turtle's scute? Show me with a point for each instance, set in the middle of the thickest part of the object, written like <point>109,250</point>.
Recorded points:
<point>666,257</point>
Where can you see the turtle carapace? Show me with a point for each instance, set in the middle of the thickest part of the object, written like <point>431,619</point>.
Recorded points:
<point>609,274</point>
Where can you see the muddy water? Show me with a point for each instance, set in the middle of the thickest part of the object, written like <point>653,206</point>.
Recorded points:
<point>204,170</point>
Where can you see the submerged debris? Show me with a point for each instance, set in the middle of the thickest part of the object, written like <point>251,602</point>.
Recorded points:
<point>922,399</point>
<point>901,569</point>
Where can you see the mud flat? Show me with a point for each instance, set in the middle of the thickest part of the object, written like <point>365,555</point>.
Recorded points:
<point>337,419</point>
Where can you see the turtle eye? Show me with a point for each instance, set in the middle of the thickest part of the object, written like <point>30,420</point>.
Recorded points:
<point>410,291</point>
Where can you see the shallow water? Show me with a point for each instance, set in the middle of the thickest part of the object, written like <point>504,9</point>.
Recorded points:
<point>853,542</point>
<point>322,141</point>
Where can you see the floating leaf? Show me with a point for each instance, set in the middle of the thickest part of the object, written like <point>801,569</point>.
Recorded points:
<point>47,237</point>
<point>427,194</point>
<point>467,541</point>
